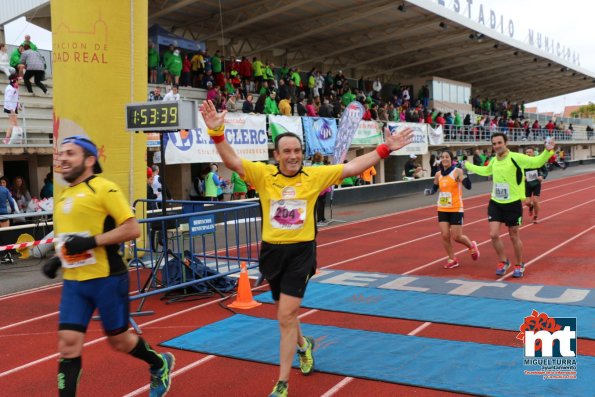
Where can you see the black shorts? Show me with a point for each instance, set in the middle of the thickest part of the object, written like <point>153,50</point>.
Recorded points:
<point>288,267</point>
<point>16,111</point>
<point>532,190</point>
<point>452,218</point>
<point>510,214</point>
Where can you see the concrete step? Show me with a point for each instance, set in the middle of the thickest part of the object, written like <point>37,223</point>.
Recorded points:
<point>4,81</point>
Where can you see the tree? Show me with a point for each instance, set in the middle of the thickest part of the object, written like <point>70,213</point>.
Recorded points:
<point>585,111</point>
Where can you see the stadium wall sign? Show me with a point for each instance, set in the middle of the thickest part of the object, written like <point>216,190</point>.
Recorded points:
<point>489,18</point>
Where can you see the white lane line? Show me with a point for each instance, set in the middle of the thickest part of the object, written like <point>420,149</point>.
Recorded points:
<point>550,251</point>
<point>502,235</point>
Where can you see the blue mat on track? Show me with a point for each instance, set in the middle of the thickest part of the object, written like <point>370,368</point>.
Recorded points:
<point>463,367</point>
<point>448,309</point>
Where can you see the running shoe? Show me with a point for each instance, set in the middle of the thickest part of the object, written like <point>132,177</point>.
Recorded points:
<point>535,219</point>
<point>519,270</point>
<point>280,389</point>
<point>474,250</point>
<point>451,263</point>
<point>530,210</point>
<point>502,267</point>
<point>161,378</point>
<point>306,356</point>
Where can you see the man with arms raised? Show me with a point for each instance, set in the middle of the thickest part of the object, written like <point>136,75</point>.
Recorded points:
<point>288,193</point>
<point>508,194</point>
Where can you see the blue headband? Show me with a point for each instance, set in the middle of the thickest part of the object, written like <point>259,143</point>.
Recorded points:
<point>87,145</point>
<point>83,142</point>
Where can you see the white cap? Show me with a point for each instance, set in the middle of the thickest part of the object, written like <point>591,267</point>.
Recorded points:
<point>413,156</point>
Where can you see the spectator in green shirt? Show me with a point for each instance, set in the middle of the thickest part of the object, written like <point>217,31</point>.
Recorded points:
<point>239,186</point>
<point>270,104</point>
<point>153,63</point>
<point>28,41</point>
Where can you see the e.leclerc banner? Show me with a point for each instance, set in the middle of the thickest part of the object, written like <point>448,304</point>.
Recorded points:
<point>246,133</point>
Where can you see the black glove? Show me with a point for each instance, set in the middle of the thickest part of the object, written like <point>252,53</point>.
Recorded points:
<point>78,244</point>
<point>50,268</point>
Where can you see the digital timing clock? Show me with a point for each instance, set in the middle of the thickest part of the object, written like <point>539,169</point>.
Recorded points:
<point>162,116</point>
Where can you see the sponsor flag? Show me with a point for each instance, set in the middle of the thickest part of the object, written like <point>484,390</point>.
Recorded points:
<point>352,115</point>
<point>321,134</point>
<point>281,124</point>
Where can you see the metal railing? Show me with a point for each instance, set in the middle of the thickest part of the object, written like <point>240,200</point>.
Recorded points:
<point>26,139</point>
<point>482,134</point>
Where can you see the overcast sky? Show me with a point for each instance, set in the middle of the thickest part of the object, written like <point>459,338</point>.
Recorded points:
<point>569,22</point>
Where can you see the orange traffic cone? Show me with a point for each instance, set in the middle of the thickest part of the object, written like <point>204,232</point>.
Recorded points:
<point>244,299</point>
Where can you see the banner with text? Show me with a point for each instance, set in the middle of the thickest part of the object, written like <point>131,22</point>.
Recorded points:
<point>280,124</point>
<point>321,134</point>
<point>368,133</point>
<point>419,144</point>
<point>245,133</point>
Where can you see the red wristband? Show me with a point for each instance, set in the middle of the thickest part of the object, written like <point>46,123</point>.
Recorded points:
<point>218,138</point>
<point>383,150</point>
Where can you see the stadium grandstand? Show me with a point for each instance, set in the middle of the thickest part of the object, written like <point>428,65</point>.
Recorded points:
<point>402,45</point>
<point>453,71</point>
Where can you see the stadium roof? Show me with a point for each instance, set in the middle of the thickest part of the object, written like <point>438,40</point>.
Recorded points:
<point>391,39</point>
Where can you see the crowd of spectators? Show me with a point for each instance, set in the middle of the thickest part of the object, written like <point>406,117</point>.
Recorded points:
<point>231,85</point>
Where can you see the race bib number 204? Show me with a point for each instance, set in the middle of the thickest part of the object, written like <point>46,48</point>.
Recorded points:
<point>287,214</point>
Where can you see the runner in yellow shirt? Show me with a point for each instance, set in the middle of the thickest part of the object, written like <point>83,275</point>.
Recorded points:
<point>288,193</point>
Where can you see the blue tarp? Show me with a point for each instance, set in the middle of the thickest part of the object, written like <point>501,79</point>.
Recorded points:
<point>163,38</point>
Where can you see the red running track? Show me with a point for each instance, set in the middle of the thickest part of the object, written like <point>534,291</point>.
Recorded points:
<point>558,251</point>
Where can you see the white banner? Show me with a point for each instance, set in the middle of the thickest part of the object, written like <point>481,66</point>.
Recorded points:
<point>419,145</point>
<point>281,124</point>
<point>245,133</point>
<point>435,136</point>
<point>368,133</point>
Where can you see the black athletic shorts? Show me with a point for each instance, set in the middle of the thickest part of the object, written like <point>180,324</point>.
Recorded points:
<point>510,214</point>
<point>452,218</point>
<point>16,111</point>
<point>288,267</point>
<point>532,190</point>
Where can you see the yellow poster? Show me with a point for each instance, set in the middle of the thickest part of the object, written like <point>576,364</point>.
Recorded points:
<point>100,65</point>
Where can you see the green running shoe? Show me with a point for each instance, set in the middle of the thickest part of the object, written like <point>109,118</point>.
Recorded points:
<point>280,389</point>
<point>307,357</point>
<point>161,379</point>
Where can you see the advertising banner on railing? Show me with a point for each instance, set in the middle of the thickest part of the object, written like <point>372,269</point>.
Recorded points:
<point>152,139</point>
<point>280,124</point>
<point>321,134</point>
<point>419,145</point>
<point>436,135</point>
<point>368,133</point>
<point>245,133</point>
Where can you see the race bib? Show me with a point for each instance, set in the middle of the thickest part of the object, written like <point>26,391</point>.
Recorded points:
<point>445,199</point>
<point>288,214</point>
<point>501,191</point>
<point>78,260</point>
<point>531,176</point>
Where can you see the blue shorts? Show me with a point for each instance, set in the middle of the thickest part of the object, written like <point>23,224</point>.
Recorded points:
<point>109,295</point>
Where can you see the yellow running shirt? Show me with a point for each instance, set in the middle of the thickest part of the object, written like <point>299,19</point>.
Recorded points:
<point>89,208</point>
<point>288,202</point>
